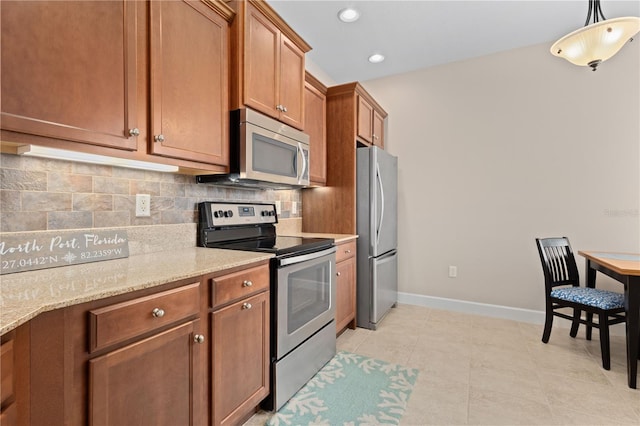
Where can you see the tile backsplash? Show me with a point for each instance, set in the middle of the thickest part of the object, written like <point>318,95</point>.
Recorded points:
<point>39,194</point>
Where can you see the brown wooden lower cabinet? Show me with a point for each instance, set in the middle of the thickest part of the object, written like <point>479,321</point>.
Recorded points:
<point>14,370</point>
<point>146,364</point>
<point>240,344</point>
<point>346,286</point>
<point>240,359</point>
<point>145,358</point>
<point>155,381</point>
<point>191,352</point>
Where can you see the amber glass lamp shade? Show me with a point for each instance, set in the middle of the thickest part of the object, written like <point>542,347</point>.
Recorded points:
<point>597,42</point>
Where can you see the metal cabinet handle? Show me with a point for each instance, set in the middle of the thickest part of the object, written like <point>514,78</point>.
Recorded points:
<point>157,313</point>
<point>279,107</point>
<point>347,251</point>
<point>134,132</point>
<point>198,338</point>
<point>246,306</point>
<point>284,108</point>
<point>338,273</point>
<point>247,283</point>
<point>159,138</point>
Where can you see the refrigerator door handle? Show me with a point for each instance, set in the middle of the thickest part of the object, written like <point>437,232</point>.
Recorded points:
<point>379,177</point>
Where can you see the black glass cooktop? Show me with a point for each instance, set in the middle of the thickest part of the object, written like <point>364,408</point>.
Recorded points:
<point>279,245</point>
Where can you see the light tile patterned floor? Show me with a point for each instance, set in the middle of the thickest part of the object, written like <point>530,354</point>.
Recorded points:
<point>485,371</point>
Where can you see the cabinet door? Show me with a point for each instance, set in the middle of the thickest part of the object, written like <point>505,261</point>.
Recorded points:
<point>156,381</point>
<point>69,70</point>
<point>346,294</point>
<point>240,358</point>
<point>189,82</point>
<point>315,118</point>
<point>261,63</point>
<point>15,373</point>
<point>378,130</point>
<point>365,125</point>
<point>291,83</point>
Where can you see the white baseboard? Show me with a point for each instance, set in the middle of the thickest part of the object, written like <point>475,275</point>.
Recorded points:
<point>495,311</point>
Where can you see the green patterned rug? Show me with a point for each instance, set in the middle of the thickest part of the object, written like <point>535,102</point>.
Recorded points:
<point>350,390</point>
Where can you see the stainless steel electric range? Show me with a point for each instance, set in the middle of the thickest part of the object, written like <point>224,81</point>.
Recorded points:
<point>303,289</point>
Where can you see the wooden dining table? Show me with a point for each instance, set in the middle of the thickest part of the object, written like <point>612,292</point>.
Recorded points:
<point>625,268</point>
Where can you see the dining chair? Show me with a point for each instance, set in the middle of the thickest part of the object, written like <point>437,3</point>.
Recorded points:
<point>562,290</point>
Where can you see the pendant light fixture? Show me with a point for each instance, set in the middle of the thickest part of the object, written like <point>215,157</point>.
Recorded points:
<point>596,42</point>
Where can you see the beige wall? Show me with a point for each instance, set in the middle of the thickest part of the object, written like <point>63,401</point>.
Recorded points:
<point>501,149</point>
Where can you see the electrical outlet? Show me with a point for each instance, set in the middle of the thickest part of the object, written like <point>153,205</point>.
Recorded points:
<point>453,271</point>
<point>143,205</point>
<point>278,206</point>
<point>294,207</point>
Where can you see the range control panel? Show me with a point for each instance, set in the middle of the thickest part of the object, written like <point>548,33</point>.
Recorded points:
<point>235,214</point>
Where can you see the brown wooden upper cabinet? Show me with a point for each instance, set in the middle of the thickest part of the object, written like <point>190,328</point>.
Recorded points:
<point>147,78</point>
<point>69,71</point>
<point>189,81</point>
<point>267,63</point>
<point>370,122</point>
<point>345,126</point>
<point>315,125</point>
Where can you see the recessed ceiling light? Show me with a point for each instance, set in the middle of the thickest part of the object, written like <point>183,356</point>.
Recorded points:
<point>376,58</point>
<point>348,15</point>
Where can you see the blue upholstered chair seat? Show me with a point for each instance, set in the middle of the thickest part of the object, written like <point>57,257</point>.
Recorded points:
<point>595,297</point>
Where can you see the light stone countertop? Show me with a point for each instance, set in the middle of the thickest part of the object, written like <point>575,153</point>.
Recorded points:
<point>24,295</point>
<point>292,227</point>
<point>338,238</point>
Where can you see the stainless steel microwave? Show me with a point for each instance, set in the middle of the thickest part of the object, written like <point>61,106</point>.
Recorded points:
<point>264,153</point>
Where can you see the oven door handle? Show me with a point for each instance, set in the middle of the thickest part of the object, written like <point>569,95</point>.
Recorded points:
<point>305,257</point>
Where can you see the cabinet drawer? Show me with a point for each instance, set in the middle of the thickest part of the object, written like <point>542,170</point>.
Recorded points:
<point>6,366</point>
<point>122,321</point>
<point>238,285</point>
<point>345,251</point>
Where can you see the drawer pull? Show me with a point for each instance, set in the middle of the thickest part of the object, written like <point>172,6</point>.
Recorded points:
<point>198,338</point>
<point>247,283</point>
<point>246,306</point>
<point>157,313</point>
<point>338,273</point>
<point>347,251</point>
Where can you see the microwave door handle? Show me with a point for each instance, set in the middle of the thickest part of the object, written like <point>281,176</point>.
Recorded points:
<point>304,162</point>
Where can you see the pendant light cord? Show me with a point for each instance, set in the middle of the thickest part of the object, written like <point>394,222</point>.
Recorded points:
<point>594,6</point>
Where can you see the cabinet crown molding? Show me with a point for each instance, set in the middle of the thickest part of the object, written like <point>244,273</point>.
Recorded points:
<point>350,88</point>
<point>277,20</point>
<point>221,8</point>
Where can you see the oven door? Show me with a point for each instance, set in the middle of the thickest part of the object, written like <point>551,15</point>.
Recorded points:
<point>305,297</point>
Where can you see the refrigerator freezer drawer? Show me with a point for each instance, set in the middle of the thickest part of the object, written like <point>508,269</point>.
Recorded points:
<point>377,288</point>
<point>385,284</point>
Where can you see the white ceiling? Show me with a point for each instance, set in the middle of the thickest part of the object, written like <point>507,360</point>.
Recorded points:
<point>424,33</point>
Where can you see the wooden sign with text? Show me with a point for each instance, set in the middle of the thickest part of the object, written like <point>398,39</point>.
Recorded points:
<point>28,252</point>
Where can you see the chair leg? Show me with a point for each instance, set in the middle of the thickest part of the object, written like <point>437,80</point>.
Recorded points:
<point>604,341</point>
<point>548,322</point>
<point>576,322</point>
<point>589,326</point>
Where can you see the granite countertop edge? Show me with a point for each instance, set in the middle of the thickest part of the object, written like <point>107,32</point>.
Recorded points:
<point>338,238</point>
<point>25,295</point>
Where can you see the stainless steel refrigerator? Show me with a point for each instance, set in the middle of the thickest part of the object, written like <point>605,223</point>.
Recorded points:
<point>377,199</point>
